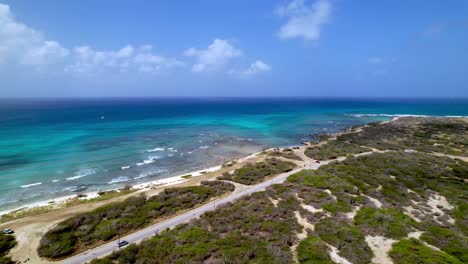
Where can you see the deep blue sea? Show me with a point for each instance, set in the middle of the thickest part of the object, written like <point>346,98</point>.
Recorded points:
<point>56,147</point>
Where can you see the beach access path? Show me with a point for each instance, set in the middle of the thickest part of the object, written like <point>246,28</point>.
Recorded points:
<point>150,231</point>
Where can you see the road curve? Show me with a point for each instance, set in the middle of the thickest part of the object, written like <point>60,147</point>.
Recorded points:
<point>150,231</point>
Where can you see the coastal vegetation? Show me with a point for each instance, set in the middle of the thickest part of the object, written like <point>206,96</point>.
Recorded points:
<point>387,222</point>
<point>313,250</point>
<point>52,206</point>
<point>252,230</point>
<point>286,153</point>
<point>254,173</point>
<point>316,216</point>
<point>409,251</point>
<point>442,135</point>
<point>334,149</point>
<point>447,240</point>
<point>7,242</point>
<point>347,238</point>
<point>117,219</point>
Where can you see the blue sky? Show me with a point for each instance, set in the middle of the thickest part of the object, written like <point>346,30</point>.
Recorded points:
<point>343,48</point>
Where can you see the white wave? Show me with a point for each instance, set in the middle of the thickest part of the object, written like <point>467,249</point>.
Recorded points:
<point>386,115</point>
<point>119,179</point>
<point>204,147</point>
<point>31,185</point>
<point>71,188</point>
<point>125,167</point>
<point>81,174</point>
<point>55,180</point>
<point>155,149</point>
<point>150,159</point>
<point>400,115</point>
<point>146,174</point>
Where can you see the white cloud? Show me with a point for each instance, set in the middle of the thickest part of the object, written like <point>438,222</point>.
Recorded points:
<point>375,60</point>
<point>22,44</point>
<point>304,21</point>
<point>148,62</point>
<point>256,67</point>
<point>216,55</point>
<point>125,52</point>
<point>87,60</point>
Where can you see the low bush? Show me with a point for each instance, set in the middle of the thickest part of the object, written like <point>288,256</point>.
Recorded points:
<point>286,153</point>
<point>447,240</point>
<point>409,251</point>
<point>251,230</point>
<point>333,149</point>
<point>349,240</point>
<point>388,222</point>
<point>7,242</point>
<point>312,250</point>
<point>107,222</point>
<point>254,173</point>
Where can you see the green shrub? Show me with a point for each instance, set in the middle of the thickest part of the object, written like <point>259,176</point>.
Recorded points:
<point>388,222</point>
<point>286,153</point>
<point>107,222</point>
<point>257,172</point>
<point>333,149</point>
<point>337,206</point>
<point>7,242</point>
<point>349,240</point>
<point>447,240</point>
<point>250,230</point>
<point>6,260</point>
<point>313,251</point>
<point>409,251</point>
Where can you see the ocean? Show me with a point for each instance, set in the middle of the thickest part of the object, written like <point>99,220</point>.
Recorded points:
<point>51,148</point>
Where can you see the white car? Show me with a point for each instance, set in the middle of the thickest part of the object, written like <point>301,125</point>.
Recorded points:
<point>7,231</point>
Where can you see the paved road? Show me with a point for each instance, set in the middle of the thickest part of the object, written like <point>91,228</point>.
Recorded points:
<point>150,231</point>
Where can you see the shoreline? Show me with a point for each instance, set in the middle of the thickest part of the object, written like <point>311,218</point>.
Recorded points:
<point>60,202</point>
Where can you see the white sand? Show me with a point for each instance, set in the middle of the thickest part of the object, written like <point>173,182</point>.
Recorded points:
<point>52,202</point>
<point>60,201</point>
<point>376,202</point>
<point>353,213</point>
<point>174,179</point>
<point>435,203</point>
<point>305,224</point>
<point>330,193</point>
<point>380,246</point>
<point>273,201</point>
<point>311,209</point>
<point>337,258</point>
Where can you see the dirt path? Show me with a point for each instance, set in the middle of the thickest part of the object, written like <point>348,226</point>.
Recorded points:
<point>450,156</point>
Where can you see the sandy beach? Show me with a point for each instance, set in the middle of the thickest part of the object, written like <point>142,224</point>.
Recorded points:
<point>60,202</point>
<point>29,230</point>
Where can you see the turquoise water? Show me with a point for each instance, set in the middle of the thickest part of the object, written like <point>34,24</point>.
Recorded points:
<point>52,148</point>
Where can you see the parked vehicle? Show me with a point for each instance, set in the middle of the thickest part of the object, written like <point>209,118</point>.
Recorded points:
<point>122,243</point>
<point>8,231</point>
